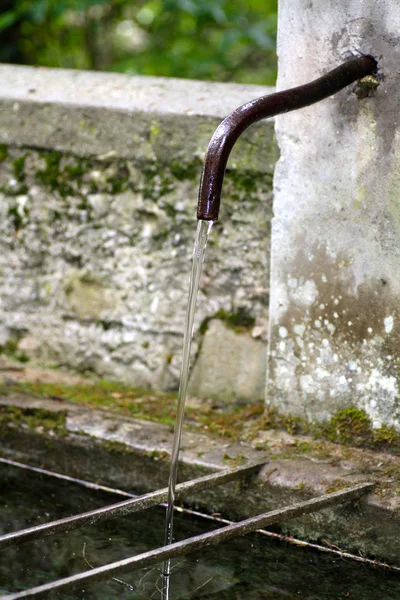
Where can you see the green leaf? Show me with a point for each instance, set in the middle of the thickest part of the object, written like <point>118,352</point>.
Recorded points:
<point>7,19</point>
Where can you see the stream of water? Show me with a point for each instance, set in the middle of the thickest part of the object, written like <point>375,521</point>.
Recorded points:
<point>203,230</point>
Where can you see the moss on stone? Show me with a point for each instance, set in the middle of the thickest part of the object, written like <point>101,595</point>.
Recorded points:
<point>242,184</point>
<point>157,182</point>
<point>118,181</point>
<point>232,423</point>
<point>35,419</point>
<point>17,186</point>
<point>386,435</point>
<point>226,422</point>
<point>3,152</point>
<point>366,87</point>
<point>245,181</point>
<point>293,425</point>
<point>235,461</point>
<point>170,211</point>
<point>77,170</point>
<point>185,171</point>
<point>304,488</point>
<point>116,447</point>
<point>160,455</point>
<point>239,321</point>
<point>52,176</point>
<point>15,217</point>
<point>19,168</point>
<point>155,129</point>
<point>10,349</point>
<point>67,174</point>
<point>336,485</point>
<point>349,426</point>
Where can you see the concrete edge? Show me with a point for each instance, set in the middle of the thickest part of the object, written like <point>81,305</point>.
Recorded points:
<point>114,115</point>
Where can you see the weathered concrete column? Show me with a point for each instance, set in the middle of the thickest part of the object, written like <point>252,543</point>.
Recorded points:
<point>335,288</point>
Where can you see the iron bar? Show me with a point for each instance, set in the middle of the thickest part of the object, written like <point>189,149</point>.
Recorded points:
<point>87,484</point>
<point>120,509</point>
<point>329,549</point>
<point>193,544</point>
<point>200,515</point>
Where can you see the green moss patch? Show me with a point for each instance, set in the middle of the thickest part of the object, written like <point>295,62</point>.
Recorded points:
<point>336,485</point>
<point>349,426</point>
<point>37,419</point>
<point>19,168</point>
<point>53,176</point>
<point>183,171</point>
<point>142,404</point>
<point>240,321</point>
<point>3,152</point>
<point>116,447</point>
<point>10,349</point>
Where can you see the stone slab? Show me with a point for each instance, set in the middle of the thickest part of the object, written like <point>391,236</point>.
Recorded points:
<point>125,116</point>
<point>229,366</point>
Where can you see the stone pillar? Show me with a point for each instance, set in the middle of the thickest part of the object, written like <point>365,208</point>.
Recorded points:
<point>335,278</point>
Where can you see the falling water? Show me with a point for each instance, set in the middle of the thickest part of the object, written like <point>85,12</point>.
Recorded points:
<point>203,230</point>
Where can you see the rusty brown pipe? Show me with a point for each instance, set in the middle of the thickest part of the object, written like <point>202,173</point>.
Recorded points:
<point>228,132</point>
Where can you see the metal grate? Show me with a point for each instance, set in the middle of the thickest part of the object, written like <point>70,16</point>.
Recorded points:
<point>165,552</point>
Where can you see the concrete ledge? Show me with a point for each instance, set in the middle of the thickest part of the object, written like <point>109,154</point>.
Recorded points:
<point>124,116</point>
<point>134,455</point>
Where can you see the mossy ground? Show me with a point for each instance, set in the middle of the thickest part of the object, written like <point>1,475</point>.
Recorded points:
<point>349,426</point>
<point>142,404</point>
<point>347,439</point>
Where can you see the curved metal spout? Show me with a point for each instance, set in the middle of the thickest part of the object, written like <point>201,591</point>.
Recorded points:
<point>228,132</point>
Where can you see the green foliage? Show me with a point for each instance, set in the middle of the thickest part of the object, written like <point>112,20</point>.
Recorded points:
<point>199,39</point>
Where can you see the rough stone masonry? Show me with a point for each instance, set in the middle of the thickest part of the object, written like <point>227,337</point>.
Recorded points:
<point>98,189</point>
<point>335,273</point>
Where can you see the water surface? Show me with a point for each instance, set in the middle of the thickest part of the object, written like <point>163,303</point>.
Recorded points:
<point>249,568</point>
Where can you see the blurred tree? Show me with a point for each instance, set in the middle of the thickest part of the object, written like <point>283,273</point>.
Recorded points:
<point>200,39</point>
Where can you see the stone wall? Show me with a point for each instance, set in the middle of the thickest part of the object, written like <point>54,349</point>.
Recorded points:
<point>98,186</point>
<point>335,284</point>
